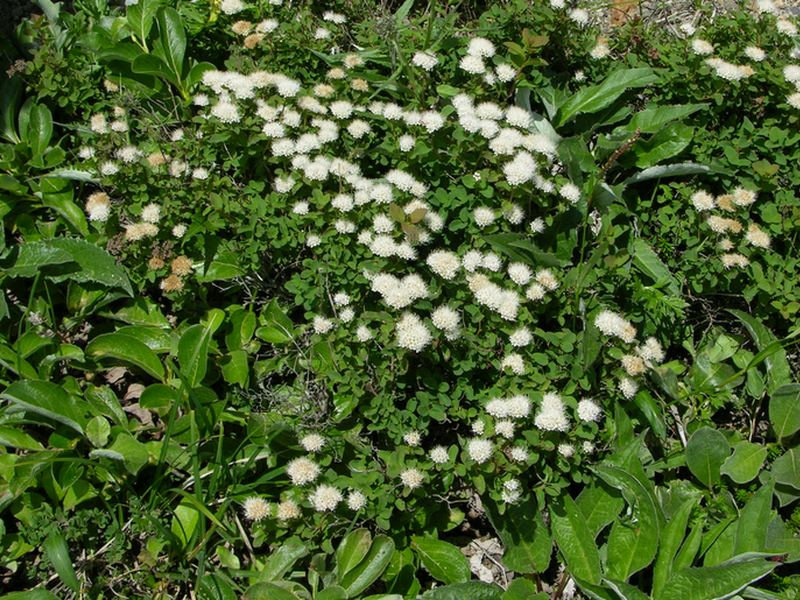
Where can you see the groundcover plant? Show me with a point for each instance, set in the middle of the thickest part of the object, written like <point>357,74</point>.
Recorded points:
<point>450,300</point>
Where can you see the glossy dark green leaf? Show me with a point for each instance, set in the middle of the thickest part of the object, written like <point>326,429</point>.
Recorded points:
<point>443,561</point>
<point>574,540</point>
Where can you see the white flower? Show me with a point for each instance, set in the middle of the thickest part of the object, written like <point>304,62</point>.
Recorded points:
<point>109,168</point>
<point>743,197</point>
<point>334,17</point>
<point>412,478</point>
<point>511,491</point>
<point>588,410</point>
<point>702,200</point>
<point>551,415</point>
<point>521,169</point>
<point>231,7</point>
<point>151,213</point>
<point>601,50</point>
<point>179,230</point>
<point>313,240</point>
<point>363,334</point>
<point>406,142</point>
<point>587,447</point>
<point>579,76</point>
<point>312,442</point>
<point>302,470</point>
<point>504,429</point>
<point>514,362</point>
<point>358,128</point>
<point>520,338</point>
<point>566,450</point>
<point>505,72</point>
<point>702,47</point>
<point>570,192</point>
<point>479,450</point>
<point>412,438</point>
<point>267,26</point>
<point>793,100</point>
<point>412,333</point>
<point>580,16</point>
<point>321,34</point>
<point>129,154</point>
<point>757,236</point>
<point>472,64</point>
<point>481,47</point>
<point>545,278</point>
<point>346,315</point>
<point>610,323</point>
<point>300,208</point>
<point>287,510</point>
<point>535,292</point>
<point>325,498</point>
<point>255,509</point>
<point>628,387</point>
<point>537,225</point>
<point>439,455</point>
<point>425,60</point>
<point>445,318</point>
<point>755,53</point>
<point>483,216</point>
<point>322,325</point>
<point>519,454</point>
<point>651,351</point>
<point>445,264</point>
<point>356,500</point>
<point>786,27</point>
<point>226,111</point>
<point>478,427</point>
<point>200,173</point>
<point>519,273</point>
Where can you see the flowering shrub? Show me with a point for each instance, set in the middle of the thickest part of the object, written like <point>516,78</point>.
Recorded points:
<point>429,275</point>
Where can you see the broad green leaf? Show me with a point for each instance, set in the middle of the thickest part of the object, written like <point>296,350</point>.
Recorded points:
<point>140,18</point>
<point>149,64</point>
<point>193,353</point>
<point>596,97</point>
<point>98,430</point>
<point>11,90</point>
<point>519,248</point>
<point>472,590</point>
<point>667,143</point>
<point>37,594</point>
<point>184,522</point>
<point>159,397</point>
<point>235,368</point>
<point>155,338</point>
<point>625,591</point>
<point>142,311</point>
<point>786,468</point>
<point>706,451</point>
<point>523,589</point>
<point>674,170</point>
<point>243,325</point>
<point>527,541</point>
<point>215,587</point>
<point>670,543</point>
<point>268,591</point>
<point>784,410</point>
<point>224,266</point>
<point>648,262</point>
<point>443,561</point>
<point>14,438</point>
<point>754,519</point>
<point>778,370</point>
<point>600,505</point>
<point>575,540</point>
<point>128,349</point>
<point>91,263</point>
<point>365,573</point>
<point>56,550</point>
<point>133,452</point>
<point>280,561</point>
<point>171,40</point>
<point>352,550</point>
<point>15,362</point>
<point>689,548</point>
<point>58,195</point>
<point>653,118</point>
<point>40,129</point>
<point>48,400</point>
<point>717,582</point>
<point>631,546</point>
<point>334,592</point>
<point>745,463</point>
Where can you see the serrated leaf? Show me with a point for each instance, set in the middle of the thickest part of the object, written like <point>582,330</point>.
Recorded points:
<point>443,561</point>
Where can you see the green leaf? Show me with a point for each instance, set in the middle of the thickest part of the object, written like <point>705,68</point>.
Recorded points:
<point>665,144</point>
<point>631,546</point>
<point>648,262</point>
<point>653,118</point>
<point>674,170</point>
<point>472,590</point>
<point>670,543</point>
<point>11,90</point>
<point>689,548</point>
<point>215,587</point>
<point>717,582</point>
<point>98,430</point>
<point>753,522</point>
<point>171,40</point>
<point>594,98</point>
<point>223,266</point>
<point>280,561</point>
<point>37,594</point>
<point>149,64</point>
<point>55,547</point>
<point>527,541</point>
<point>235,368</point>
<point>599,506</point>
<point>517,247</point>
<point>14,438</point>
<point>786,468</point>
<point>352,550</point>
<point>184,522</point>
<point>91,263</point>
<point>128,349</point>
<point>40,129</point>
<point>574,540</point>
<point>268,591</point>
<point>523,589</point>
<point>333,592</point>
<point>57,194</point>
<point>745,463</point>
<point>778,370</point>
<point>706,451</point>
<point>193,353</point>
<point>365,573</point>
<point>133,452</point>
<point>784,410</point>
<point>443,561</point>
<point>140,18</point>
<point>48,400</point>
<point>625,591</point>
